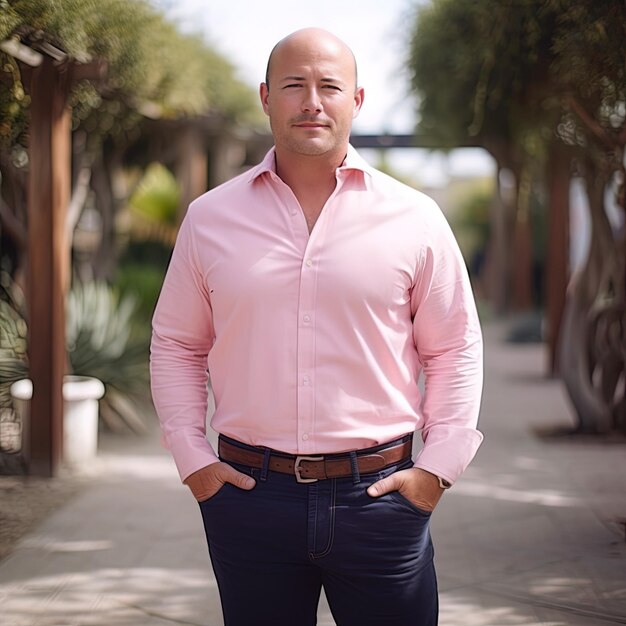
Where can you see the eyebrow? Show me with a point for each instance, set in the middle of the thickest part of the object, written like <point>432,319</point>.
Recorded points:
<point>302,78</point>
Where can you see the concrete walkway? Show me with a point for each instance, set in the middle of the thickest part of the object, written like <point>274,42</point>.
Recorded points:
<point>533,533</point>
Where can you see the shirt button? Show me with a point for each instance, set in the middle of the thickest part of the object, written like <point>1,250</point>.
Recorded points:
<point>307,318</point>
<point>309,262</point>
<point>305,380</point>
<point>305,436</point>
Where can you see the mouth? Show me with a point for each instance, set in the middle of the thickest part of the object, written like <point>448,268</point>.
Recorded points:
<point>310,125</point>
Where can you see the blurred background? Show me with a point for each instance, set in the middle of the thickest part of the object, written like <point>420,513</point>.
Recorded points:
<point>114,115</point>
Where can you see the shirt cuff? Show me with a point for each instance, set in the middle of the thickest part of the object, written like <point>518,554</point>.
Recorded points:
<point>191,452</point>
<point>448,450</point>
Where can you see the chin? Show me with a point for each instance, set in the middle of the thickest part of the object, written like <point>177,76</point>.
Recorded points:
<point>311,148</point>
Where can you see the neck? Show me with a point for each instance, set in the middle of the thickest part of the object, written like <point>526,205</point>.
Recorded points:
<point>312,180</point>
<point>302,171</point>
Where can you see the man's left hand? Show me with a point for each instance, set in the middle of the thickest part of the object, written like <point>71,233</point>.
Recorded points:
<point>418,486</point>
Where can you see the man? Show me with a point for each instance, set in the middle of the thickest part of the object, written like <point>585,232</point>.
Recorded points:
<point>317,289</point>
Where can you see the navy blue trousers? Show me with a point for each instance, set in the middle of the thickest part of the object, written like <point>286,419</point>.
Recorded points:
<point>273,548</point>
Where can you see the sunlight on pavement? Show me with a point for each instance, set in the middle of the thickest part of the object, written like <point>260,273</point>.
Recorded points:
<point>138,467</point>
<point>117,596</point>
<point>559,585</point>
<point>457,610</point>
<point>52,545</point>
<point>544,497</point>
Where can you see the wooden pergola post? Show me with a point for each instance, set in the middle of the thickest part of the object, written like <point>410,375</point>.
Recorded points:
<point>48,254</point>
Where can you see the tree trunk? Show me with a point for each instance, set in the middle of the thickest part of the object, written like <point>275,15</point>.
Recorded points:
<point>191,166</point>
<point>591,350</point>
<point>522,267</point>
<point>498,266</point>
<point>557,253</point>
<point>105,255</point>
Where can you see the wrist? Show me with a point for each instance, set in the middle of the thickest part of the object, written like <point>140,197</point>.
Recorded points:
<point>442,483</point>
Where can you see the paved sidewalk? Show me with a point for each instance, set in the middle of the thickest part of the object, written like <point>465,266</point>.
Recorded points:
<point>533,534</point>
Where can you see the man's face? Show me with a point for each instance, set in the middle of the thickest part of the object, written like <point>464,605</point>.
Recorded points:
<point>312,98</point>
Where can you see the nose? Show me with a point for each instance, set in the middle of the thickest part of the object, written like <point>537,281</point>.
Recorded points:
<point>312,101</point>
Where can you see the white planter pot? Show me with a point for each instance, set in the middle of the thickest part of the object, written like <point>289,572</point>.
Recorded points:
<point>80,415</point>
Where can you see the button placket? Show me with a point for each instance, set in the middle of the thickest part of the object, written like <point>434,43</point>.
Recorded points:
<point>309,273</point>
<point>306,355</point>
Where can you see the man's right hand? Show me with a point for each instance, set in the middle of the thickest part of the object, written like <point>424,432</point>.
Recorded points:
<point>206,482</point>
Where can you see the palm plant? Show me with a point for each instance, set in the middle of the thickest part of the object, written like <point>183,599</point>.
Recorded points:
<point>13,367</point>
<point>101,343</point>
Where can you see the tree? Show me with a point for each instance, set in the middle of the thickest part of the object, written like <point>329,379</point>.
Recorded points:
<point>545,82</point>
<point>474,66</point>
<point>156,76</point>
<point>590,73</point>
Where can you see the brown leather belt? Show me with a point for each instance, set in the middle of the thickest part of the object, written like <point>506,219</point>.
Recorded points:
<point>309,469</point>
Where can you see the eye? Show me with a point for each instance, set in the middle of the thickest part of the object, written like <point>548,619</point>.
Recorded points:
<point>291,85</point>
<point>335,87</point>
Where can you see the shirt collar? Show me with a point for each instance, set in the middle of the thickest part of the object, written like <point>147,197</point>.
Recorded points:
<point>353,161</point>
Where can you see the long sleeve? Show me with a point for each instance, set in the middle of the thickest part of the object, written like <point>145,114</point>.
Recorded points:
<point>448,339</point>
<point>182,337</point>
<point>314,341</point>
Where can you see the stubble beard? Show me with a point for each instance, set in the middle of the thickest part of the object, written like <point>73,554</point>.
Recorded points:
<point>313,146</point>
<point>309,148</point>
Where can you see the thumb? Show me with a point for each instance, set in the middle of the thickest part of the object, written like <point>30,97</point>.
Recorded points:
<point>231,475</point>
<point>385,485</point>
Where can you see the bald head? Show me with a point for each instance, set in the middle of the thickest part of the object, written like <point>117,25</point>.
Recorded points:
<point>314,97</point>
<point>311,40</point>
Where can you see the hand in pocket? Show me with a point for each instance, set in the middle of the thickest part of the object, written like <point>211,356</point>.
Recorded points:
<point>206,482</point>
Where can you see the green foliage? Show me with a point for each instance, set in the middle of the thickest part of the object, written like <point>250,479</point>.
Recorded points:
<point>589,48</point>
<point>97,326</point>
<point>12,350</point>
<point>143,282</point>
<point>471,222</point>
<point>478,68</point>
<point>13,363</point>
<point>140,274</point>
<point>444,65</point>
<point>157,196</point>
<point>153,70</point>
<point>101,343</point>
<point>497,71</point>
<point>12,331</point>
<point>9,18</point>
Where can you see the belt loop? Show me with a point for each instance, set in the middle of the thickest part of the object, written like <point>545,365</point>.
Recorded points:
<point>266,463</point>
<point>354,464</point>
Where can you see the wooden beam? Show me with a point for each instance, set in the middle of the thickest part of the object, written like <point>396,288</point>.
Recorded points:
<point>405,141</point>
<point>48,274</point>
<point>383,141</point>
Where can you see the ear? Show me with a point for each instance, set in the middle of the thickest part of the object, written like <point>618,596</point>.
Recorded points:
<point>359,96</point>
<point>264,93</point>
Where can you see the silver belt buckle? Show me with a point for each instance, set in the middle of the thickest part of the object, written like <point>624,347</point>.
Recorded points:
<point>297,469</point>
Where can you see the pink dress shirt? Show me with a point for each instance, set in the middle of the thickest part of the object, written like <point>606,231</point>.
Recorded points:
<point>314,343</point>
